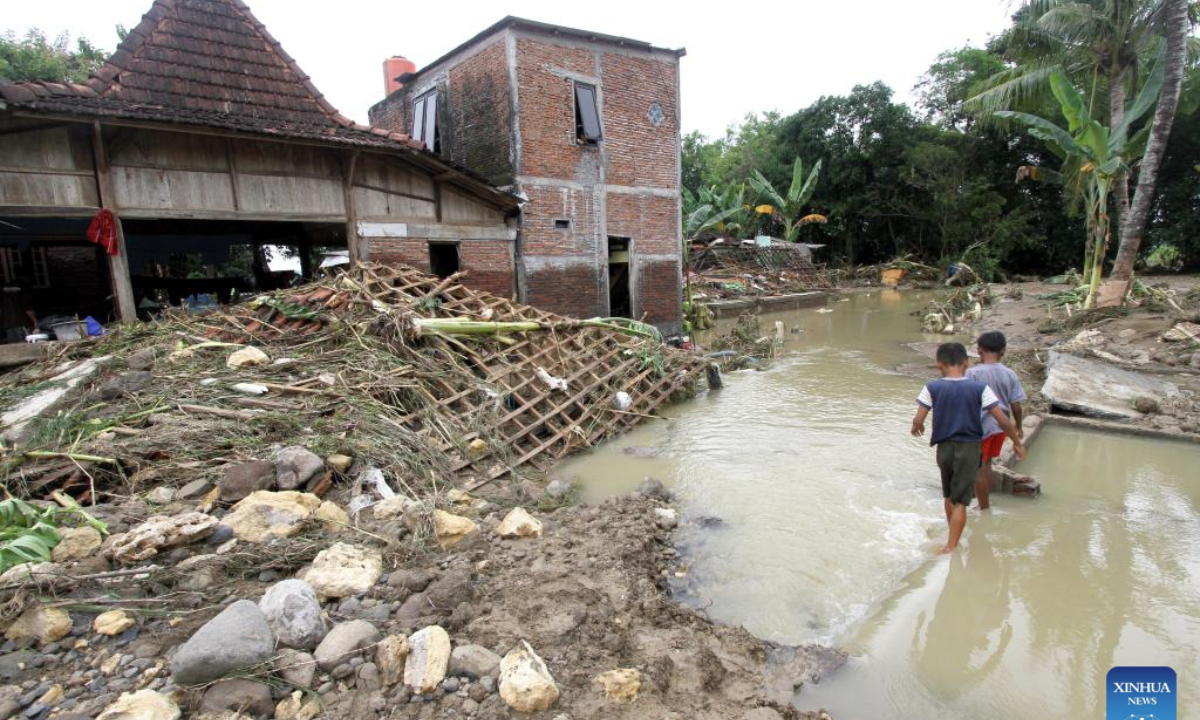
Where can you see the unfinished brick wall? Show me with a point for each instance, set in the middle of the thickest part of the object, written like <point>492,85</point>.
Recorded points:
<point>546,95</point>
<point>640,153</point>
<point>658,295</point>
<point>474,114</point>
<point>488,263</point>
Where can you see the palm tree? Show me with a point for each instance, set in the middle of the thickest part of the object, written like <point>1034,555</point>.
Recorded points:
<point>1176,20</point>
<point>1101,152</point>
<point>790,206</point>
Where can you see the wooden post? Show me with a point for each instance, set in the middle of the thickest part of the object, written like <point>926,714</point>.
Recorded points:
<point>118,265</point>
<point>352,243</point>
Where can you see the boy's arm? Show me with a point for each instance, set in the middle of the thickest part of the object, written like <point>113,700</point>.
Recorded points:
<point>918,423</point>
<point>1018,416</point>
<point>1010,429</point>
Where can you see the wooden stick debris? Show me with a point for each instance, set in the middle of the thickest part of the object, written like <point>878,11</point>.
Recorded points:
<point>219,412</point>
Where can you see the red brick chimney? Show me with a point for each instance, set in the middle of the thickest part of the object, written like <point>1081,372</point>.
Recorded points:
<point>393,68</point>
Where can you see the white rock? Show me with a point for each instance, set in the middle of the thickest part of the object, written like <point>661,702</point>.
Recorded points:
<point>331,516</point>
<point>294,707</point>
<point>294,614</point>
<point>264,514</point>
<point>160,533</point>
<point>392,507</point>
<point>428,659</point>
<point>526,684</point>
<point>77,544</point>
<point>247,357</point>
<point>160,496</point>
<point>113,622</point>
<point>296,465</point>
<point>390,657</point>
<point>451,529</point>
<point>46,625</point>
<point>251,388</point>
<point>142,705</point>
<point>667,518</point>
<point>518,524</point>
<point>621,684</point>
<point>343,569</point>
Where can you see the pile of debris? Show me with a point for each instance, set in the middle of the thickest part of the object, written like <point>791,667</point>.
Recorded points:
<point>746,346</point>
<point>432,384</point>
<point>722,271</point>
<point>952,309</point>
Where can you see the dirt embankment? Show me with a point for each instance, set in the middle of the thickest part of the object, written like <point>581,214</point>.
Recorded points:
<point>587,596</point>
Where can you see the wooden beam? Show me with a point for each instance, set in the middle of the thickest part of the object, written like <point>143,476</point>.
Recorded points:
<point>48,211</point>
<point>235,185</point>
<point>118,265</point>
<point>169,214</point>
<point>397,193</point>
<point>36,127</point>
<point>352,244</point>
<point>42,171</point>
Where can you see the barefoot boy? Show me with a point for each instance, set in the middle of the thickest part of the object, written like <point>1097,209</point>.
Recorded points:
<point>958,404</point>
<point>1007,387</point>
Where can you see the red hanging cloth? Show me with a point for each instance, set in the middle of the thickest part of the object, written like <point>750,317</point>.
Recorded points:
<point>103,232</point>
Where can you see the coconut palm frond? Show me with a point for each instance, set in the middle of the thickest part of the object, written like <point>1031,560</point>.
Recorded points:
<point>1012,87</point>
<point>1075,21</point>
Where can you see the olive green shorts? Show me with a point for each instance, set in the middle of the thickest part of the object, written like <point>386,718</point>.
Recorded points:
<point>959,463</point>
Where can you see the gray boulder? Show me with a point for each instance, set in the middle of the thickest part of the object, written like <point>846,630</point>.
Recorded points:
<point>296,668</point>
<point>1099,389</point>
<point>558,489</point>
<point>238,695</point>
<point>294,614</point>
<point>474,661</point>
<point>344,640</point>
<point>237,638</point>
<point>295,466</point>
<point>654,489</point>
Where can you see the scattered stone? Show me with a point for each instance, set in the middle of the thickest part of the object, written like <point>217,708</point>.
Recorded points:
<point>294,614</point>
<point>344,569</point>
<point>296,465</point>
<point>558,489</point>
<point>263,514</point>
<point>237,638</point>
<point>392,507</point>
<point>31,573</point>
<point>332,516</point>
<point>428,659</point>
<point>9,708</point>
<point>161,496</point>
<point>412,580</point>
<point>474,662</point>
<point>296,668</point>
<point>77,544</point>
<point>142,359</point>
<point>159,533</point>
<point>451,529</point>
<point>52,697</point>
<point>367,677</point>
<point>459,497</point>
<point>476,449</point>
<point>526,685</point>
<point>340,463</point>
<point>451,589</point>
<point>390,656</point>
<point>1146,405</point>
<point>199,580</point>
<point>622,684</point>
<point>244,478</point>
<point>762,713</point>
<point>46,625</point>
<point>654,489</point>
<point>666,518</point>
<point>113,622</point>
<point>342,641</point>
<point>518,524</point>
<point>142,705</point>
<point>247,357</point>
<point>1127,333</point>
<point>238,695</point>
<point>294,707</point>
<point>194,489</point>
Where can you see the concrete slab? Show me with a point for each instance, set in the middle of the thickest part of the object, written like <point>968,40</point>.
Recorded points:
<point>1098,389</point>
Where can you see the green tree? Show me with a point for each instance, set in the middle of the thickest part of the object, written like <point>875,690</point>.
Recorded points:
<point>955,77</point>
<point>34,57</point>
<point>789,207</point>
<point>1104,153</point>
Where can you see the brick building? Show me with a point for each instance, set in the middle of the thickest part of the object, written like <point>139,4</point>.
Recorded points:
<point>586,128</point>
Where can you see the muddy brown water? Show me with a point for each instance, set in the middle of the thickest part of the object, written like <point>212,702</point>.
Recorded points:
<point>810,515</point>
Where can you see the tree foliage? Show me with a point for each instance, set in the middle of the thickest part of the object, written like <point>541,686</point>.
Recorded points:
<point>34,57</point>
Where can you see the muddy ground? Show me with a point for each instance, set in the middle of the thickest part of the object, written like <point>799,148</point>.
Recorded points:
<point>587,596</point>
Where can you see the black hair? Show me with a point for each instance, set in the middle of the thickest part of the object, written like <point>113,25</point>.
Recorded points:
<point>952,354</point>
<point>992,341</point>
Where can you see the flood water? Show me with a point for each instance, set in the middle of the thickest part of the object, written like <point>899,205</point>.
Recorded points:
<point>811,516</point>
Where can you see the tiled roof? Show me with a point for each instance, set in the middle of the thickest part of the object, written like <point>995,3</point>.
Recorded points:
<point>205,62</point>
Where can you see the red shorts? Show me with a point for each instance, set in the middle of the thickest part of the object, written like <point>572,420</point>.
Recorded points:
<point>992,445</point>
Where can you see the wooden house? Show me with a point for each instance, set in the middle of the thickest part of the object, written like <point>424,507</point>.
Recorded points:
<point>201,136</point>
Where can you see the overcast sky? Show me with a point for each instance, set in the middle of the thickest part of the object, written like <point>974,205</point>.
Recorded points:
<point>740,58</point>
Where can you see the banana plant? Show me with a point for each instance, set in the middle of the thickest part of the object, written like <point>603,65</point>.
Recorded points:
<point>1101,154</point>
<point>788,208</point>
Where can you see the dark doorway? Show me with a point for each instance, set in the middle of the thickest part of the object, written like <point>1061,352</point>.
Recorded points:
<point>443,259</point>
<point>620,301</point>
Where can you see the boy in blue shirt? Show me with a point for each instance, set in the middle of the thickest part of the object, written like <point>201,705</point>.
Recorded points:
<point>958,404</point>
<point>1007,387</point>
